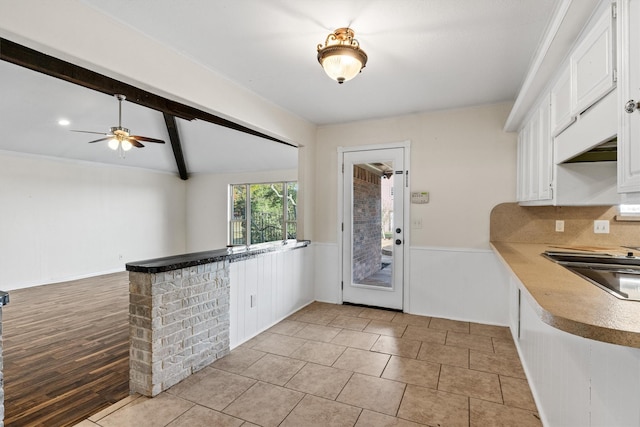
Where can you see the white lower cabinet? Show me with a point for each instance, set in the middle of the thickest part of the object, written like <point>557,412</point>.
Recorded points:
<point>577,382</point>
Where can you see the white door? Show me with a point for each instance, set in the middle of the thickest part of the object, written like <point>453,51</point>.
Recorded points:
<point>373,228</point>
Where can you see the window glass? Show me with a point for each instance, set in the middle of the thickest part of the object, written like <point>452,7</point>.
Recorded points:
<point>238,215</point>
<point>268,210</point>
<point>292,209</point>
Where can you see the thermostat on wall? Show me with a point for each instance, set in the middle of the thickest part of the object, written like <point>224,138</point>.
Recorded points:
<point>420,197</point>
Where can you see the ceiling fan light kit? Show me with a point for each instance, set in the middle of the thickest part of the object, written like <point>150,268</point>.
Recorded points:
<point>341,56</point>
<point>119,137</point>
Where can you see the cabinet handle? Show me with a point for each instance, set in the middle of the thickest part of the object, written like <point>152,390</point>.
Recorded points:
<point>631,106</point>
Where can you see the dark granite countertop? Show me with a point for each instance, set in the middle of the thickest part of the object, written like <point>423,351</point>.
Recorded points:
<point>232,254</point>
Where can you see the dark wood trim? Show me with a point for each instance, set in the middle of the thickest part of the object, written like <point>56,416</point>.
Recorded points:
<point>174,137</point>
<point>49,65</point>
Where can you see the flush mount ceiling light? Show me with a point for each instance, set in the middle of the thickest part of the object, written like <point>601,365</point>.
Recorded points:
<point>341,56</point>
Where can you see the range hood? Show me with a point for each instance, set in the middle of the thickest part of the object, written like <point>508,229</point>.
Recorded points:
<point>585,153</point>
<point>592,137</point>
<point>605,152</point>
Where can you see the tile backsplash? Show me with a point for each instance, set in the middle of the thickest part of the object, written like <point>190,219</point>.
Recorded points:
<point>511,222</point>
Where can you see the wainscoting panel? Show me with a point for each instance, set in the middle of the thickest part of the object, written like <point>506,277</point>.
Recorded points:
<point>266,289</point>
<point>461,284</point>
<point>327,273</point>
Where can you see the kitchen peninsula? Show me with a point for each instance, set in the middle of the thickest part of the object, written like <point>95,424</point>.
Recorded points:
<point>579,345</point>
<point>186,311</point>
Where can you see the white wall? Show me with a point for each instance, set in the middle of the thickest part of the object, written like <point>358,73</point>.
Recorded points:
<point>468,164</point>
<point>62,220</point>
<point>208,205</point>
<point>462,157</point>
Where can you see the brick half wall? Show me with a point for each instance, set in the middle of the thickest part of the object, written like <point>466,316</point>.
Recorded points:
<point>178,324</point>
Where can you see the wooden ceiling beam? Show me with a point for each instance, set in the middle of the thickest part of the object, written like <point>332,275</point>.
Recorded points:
<point>174,137</point>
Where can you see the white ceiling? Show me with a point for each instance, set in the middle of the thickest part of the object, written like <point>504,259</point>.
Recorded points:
<point>424,55</point>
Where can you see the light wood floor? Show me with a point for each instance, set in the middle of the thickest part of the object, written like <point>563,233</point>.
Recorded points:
<point>66,350</point>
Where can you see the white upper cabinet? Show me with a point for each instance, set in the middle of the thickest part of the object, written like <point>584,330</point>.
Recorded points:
<point>535,160</point>
<point>628,97</point>
<point>593,62</point>
<point>561,103</point>
<point>545,155</point>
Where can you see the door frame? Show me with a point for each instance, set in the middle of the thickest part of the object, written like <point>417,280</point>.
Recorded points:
<point>406,214</point>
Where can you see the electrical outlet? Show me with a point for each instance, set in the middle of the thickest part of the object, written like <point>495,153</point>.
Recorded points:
<point>601,226</point>
<point>416,223</point>
<point>560,225</point>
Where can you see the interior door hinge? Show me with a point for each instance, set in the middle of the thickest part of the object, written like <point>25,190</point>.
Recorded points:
<point>343,226</point>
<point>342,285</point>
<point>615,75</point>
<point>343,168</point>
<point>406,179</point>
<point>614,10</point>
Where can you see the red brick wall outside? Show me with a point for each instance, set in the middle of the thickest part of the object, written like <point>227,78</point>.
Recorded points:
<point>367,223</point>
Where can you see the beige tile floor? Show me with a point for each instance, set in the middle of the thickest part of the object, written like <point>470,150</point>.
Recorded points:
<point>332,365</point>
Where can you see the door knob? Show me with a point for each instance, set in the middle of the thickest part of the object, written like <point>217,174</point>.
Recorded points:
<point>631,106</point>
<point>398,242</point>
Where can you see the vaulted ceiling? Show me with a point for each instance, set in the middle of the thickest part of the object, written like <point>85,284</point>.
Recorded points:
<point>424,55</point>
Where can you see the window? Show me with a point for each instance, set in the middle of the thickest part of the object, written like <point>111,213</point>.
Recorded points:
<point>268,211</point>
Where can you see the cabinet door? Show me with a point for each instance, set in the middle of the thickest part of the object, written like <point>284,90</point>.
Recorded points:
<point>520,174</point>
<point>561,103</point>
<point>592,63</point>
<point>535,162</point>
<point>629,89</point>
<point>534,158</point>
<point>545,152</point>
<point>524,164</point>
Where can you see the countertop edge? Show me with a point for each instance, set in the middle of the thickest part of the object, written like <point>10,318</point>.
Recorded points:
<point>236,254</point>
<point>564,321</point>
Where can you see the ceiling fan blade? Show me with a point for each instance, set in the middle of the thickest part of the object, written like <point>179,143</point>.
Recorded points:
<point>101,139</point>
<point>147,139</point>
<point>134,142</point>
<point>87,131</point>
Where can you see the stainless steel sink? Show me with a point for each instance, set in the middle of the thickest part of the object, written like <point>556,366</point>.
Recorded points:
<point>590,258</point>
<point>618,275</point>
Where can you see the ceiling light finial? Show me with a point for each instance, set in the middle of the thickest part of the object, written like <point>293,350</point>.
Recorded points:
<point>341,56</point>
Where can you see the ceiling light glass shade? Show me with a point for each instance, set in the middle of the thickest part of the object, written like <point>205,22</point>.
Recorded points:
<point>341,56</point>
<point>126,145</point>
<point>113,143</point>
